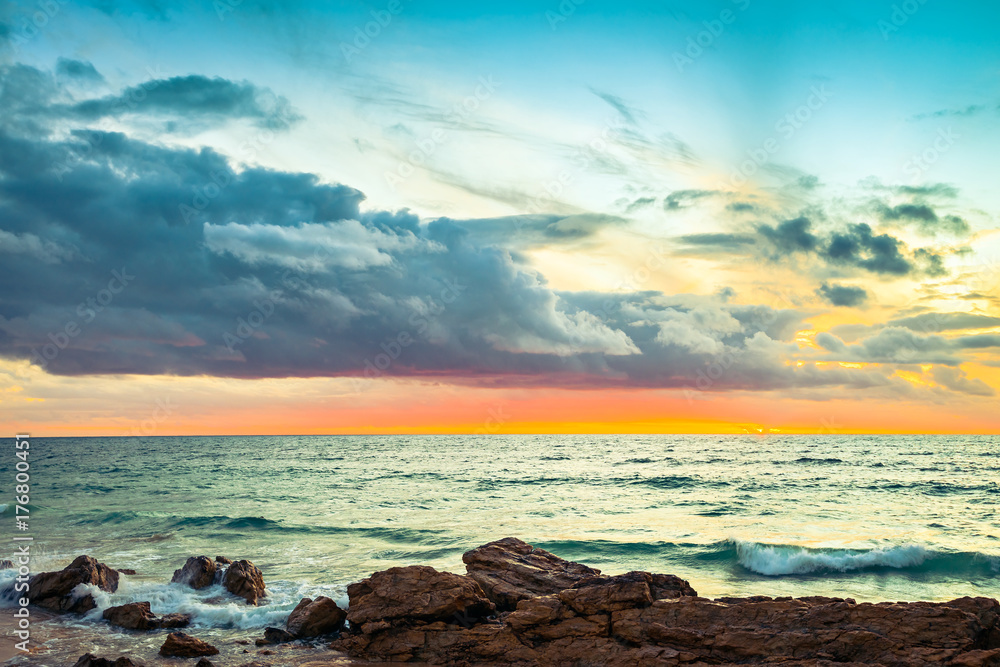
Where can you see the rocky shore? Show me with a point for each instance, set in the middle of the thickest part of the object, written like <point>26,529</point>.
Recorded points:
<point>517,605</point>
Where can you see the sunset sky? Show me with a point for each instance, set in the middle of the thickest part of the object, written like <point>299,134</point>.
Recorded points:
<point>401,217</point>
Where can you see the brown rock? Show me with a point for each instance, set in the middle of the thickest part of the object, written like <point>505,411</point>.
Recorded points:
<point>54,590</point>
<point>275,636</point>
<point>643,619</point>
<point>180,645</point>
<point>222,560</point>
<point>174,621</point>
<point>6,564</point>
<point>510,570</point>
<point>978,658</point>
<point>204,662</point>
<point>132,616</point>
<point>315,618</point>
<point>245,580</point>
<point>416,592</point>
<point>91,660</point>
<point>198,572</point>
<point>126,571</point>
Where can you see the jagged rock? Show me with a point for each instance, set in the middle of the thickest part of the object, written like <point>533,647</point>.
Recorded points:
<point>222,560</point>
<point>132,616</point>
<point>510,570</point>
<point>416,592</point>
<point>315,618</point>
<point>244,579</point>
<point>180,645</point>
<point>91,660</point>
<point>640,618</point>
<point>126,571</point>
<point>138,616</point>
<point>174,621</point>
<point>6,564</point>
<point>275,636</point>
<point>54,590</point>
<point>198,572</point>
<point>204,662</point>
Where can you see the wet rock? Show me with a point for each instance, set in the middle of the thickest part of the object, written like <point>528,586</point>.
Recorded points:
<point>640,618</point>
<point>174,621</point>
<point>126,571</point>
<point>54,590</point>
<point>222,560</point>
<point>275,636</point>
<point>315,618</point>
<point>180,645</point>
<point>6,564</point>
<point>510,570</point>
<point>244,579</point>
<point>138,616</point>
<point>132,616</point>
<point>91,660</point>
<point>416,592</point>
<point>204,662</point>
<point>198,572</point>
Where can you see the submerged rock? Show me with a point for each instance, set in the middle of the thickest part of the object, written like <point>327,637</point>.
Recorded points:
<point>640,618</point>
<point>417,592</point>
<point>244,579</point>
<point>180,645</point>
<point>6,564</point>
<point>174,620</point>
<point>91,660</point>
<point>198,572</point>
<point>315,618</point>
<point>275,636</point>
<point>54,590</point>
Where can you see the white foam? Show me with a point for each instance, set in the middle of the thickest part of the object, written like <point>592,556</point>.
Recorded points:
<point>776,560</point>
<point>214,606</point>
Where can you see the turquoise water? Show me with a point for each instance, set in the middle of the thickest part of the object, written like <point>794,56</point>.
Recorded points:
<point>870,517</point>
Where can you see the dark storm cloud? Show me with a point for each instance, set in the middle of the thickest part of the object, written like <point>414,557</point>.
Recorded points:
<point>679,199</point>
<point>791,236</point>
<point>900,345</point>
<point>122,256</point>
<point>77,69</point>
<point>194,94</point>
<point>641,202</point>
<point>843,295</point>
<point>925,218</point>
<point>719,240</point>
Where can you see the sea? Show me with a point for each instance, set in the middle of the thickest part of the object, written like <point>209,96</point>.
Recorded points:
<point>871,517</point>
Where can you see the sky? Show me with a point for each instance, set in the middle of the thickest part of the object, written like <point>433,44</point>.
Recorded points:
<point>245,217</point>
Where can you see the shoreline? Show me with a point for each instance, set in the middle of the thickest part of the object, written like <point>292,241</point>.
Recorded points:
<point>516,605</point>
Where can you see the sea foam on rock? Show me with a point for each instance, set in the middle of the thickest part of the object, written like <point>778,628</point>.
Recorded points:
<point>245,579</point>
<point>55,590</point>
<point>198,572</point>
<point>639,618</point>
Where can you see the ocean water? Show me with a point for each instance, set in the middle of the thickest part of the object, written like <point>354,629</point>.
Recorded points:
<point>869,517</point>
